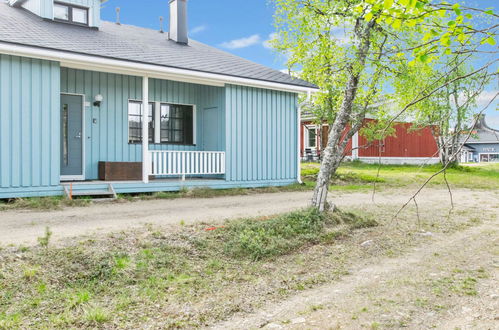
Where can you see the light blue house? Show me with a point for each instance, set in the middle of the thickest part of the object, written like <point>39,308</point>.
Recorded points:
<point>72,93</point>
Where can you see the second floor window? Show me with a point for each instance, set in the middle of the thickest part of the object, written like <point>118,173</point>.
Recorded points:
<point>70,13</point>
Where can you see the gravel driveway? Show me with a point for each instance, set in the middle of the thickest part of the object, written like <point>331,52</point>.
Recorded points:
<point>24,227</point>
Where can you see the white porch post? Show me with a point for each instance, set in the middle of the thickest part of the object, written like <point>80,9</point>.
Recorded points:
<point>145,130</point>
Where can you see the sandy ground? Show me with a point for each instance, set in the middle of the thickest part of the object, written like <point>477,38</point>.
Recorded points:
<point>24,227</point>
<point>424,289</point>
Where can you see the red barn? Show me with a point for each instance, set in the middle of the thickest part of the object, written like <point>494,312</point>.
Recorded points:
<point>406,146</point>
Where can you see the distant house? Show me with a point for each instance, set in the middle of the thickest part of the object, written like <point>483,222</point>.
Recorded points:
<point>407,146</point>
<point>73,90</point>
<point>482,146</point>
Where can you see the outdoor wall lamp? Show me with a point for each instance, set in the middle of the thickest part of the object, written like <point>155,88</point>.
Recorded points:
<point>98,100</point>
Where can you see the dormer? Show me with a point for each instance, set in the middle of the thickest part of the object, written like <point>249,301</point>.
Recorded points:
<point>77,12</point>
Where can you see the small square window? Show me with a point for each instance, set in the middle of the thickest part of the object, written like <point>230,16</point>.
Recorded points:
<point>61,12</point>
<point>71,13</point>
<point>80,15</point>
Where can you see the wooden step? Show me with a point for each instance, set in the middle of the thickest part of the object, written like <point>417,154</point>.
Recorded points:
<point>81,189</point>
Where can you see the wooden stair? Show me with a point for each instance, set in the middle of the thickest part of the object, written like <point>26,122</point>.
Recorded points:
<point>97,191</point>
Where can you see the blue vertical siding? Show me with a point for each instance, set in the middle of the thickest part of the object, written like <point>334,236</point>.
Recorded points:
<point>261,134</point>
<point>107,138</point>
<point>29,122</point>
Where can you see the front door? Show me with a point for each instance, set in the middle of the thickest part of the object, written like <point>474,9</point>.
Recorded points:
<point>211,129</point>
<point>71,137</point>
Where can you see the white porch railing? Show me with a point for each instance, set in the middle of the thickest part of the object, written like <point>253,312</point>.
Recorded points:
<point>182,163</point>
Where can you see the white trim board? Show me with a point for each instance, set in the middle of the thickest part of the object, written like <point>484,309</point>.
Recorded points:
<point>102,64</point>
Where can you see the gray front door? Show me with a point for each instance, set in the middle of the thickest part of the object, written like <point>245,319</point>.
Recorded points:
<point>71,136</point>
<point>211,129</point>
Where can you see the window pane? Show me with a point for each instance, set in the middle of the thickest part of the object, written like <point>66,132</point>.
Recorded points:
<point>312,135</point>
<point>135,121</point>
<point>61,12</point>
<point>80,15</point>
<point>176,123</point>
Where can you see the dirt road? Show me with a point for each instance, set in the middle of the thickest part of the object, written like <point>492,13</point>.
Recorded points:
<point>449,284</point>
<point>24,227</point>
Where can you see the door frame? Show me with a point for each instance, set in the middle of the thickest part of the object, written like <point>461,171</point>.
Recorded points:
<point>83,141</point>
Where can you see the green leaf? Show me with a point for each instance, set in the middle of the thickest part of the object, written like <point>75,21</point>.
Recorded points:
<point>490,40</point>
<point>397,24</point>
<point>424,58</point>
<point>451,23</point>
<point>448,51</point>
<point>489,12</point>
<point>404,2</point>
<point>387,4</point>
<point>469,16</point>
<point>369,16</point>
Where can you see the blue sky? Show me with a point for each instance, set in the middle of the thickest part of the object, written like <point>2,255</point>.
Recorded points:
<point>237,26</point>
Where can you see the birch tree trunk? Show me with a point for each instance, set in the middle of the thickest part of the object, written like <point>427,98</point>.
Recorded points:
<point>331,154</point>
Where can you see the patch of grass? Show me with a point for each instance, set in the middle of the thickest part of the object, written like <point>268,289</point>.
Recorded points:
<point>191,277</point>
<point>272,237</point>
<point>79,298</point>
<point>96,315</point>
<point>45,239</point>
<point>42,203</point>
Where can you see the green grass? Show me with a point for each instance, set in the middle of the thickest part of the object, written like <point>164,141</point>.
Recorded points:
<point>125,280</point>
<point>350,177</point>
<point>355,175</point>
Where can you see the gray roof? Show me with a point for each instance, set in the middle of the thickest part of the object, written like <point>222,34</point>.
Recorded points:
<point>131,43</point>
<point>482,133</point>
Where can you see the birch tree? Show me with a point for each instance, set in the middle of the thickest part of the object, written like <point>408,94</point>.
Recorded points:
<point>351,49</point>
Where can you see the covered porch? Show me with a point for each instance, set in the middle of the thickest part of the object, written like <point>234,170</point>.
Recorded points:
<point>102,121</point>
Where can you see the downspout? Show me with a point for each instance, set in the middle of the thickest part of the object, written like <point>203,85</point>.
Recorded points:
<point>298,167</point>
<point>145,130</point>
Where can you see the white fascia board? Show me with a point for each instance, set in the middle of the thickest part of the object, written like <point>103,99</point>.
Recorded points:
<point>96,63</point>
<point>16,3</point>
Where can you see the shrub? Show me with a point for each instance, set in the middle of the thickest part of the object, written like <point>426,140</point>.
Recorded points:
<point>276,236</point>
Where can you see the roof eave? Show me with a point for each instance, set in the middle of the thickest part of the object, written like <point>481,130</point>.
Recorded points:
<point>103,64</point>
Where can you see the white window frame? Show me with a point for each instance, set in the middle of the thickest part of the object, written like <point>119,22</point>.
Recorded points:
<point>486,153</point>
<point>157,119</point>
<point>128,121</point>
<point>70,7</point>
<point>307,137</point>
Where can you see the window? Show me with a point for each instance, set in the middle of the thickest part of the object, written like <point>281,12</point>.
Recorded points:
<point>70,13</point>
<point>312,138</point>
<point>135,122</point>
<point>173,124</point>
<point>176,124</point>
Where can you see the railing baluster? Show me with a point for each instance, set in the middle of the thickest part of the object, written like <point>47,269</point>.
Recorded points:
<point>186,162</point>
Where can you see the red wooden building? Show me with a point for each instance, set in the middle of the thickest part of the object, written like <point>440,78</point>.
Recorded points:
<point>406,146</point>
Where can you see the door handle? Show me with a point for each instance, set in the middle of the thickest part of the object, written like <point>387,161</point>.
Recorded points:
<point>78,136</point>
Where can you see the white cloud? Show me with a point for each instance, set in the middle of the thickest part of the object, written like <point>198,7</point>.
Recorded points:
<point>272,36</point>
<point>198,29</point>
<point>243,42</point>
<point>485,97</point>
<point>492,121</point>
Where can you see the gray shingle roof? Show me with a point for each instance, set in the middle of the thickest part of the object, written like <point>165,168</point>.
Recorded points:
<point>131,43</point>
<point>482,133</point>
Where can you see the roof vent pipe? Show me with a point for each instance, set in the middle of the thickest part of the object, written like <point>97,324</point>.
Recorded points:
<point>161,24</point>
<point>118,9</point>
<point>178,21</point>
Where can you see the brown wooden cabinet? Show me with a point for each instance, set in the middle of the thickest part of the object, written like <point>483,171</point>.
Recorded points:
<point>120,171</point>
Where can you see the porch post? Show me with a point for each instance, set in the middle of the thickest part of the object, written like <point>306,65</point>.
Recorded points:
<point>145,130</point>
